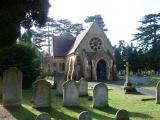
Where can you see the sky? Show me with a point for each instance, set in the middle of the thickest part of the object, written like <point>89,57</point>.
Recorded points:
<point>120,16</point>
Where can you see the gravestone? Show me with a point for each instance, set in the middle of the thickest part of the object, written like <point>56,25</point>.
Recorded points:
<point>41,93</point>
<point>59,79</point>
<point>43,116</point>
<point>12,87</point>
<point>83,87</point>
<point>59,86</point>
<point>122,115</point>
<point>1,86</point>
<point>158,93</point>
<point>70,93</point>
<point>100,95</point>
<point>85,115</point>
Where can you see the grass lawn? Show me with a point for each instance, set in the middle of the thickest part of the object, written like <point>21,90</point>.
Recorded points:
<point>138,109</point>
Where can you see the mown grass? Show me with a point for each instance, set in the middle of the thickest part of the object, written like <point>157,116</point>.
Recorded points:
<point>155,79</point>
<point>138,109</point>
<point>49,78</point>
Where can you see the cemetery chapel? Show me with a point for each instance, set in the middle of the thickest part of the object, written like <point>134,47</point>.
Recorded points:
<point>89,55</point>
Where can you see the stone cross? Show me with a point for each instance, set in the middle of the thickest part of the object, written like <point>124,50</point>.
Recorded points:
<point>127,72</point>
<point>158,93</point>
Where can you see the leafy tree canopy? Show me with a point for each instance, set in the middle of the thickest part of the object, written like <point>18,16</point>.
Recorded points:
<point>23,56</point>
<point>40,36</point>
<point>98,19</point>
<point>14,13</point>
<point>149,32</point>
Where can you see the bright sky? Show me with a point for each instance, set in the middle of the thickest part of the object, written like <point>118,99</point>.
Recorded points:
<point>120,16</point>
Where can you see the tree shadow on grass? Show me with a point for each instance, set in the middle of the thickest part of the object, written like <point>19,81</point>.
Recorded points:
<point>139,115</point>
<point>108,109</point>
<point>21,113</point>
<point>95,115</point>
<point>56,114</point>
<point>113,111</point>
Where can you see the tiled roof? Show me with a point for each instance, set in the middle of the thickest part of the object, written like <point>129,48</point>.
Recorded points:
<point>62,45</point>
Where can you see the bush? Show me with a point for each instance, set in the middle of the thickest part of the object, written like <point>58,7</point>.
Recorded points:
<point>24,57</point>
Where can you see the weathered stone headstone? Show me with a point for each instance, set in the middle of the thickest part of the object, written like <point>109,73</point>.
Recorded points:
<point>43,116</point>
<point>59,79</point>
<point>122,115</point>
<point>100,95</point>
<point>158,93</point>
<point>85,115</point>
<point>12,87</point>
<point>41,93</point>
<point>1,82</point>
<point>70,93</point>
<point>59,86</point>
<point>83,87</point>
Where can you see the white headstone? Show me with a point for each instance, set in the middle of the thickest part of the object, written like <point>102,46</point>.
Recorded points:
<point>83,87</point>
<point>70,93</point>
<point>12,87</point>
<point>41,93</point>
<point>158,93</point>
<point>100,95</point>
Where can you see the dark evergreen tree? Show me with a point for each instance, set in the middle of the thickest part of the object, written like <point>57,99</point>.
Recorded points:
<point>148,37</point>
<point>98,19</point>
<point>149,32</point>
<point>14,13</point>
<point>23,56</point>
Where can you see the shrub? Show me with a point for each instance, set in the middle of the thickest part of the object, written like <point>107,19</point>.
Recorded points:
<point>23,56</point>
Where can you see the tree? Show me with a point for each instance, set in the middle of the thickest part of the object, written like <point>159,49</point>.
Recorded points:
<point>14,13</point>
<point>119,55</point>
<point>149,32</point>
<point>23,56</point>
<point>66,26</point>
<point>76,28</point>
<point>98,19</point>
<point>27,35</point>
<point>149,38</point>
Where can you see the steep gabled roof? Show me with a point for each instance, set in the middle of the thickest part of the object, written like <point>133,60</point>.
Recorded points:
<point>79,39</point>
<point>67,44</point>
<point>62,45</point>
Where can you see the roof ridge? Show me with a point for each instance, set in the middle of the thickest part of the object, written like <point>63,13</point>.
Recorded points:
<point>83,34</point>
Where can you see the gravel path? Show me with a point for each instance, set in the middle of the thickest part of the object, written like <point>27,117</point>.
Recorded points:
<point>5,115</point>
<point>134,81</point>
